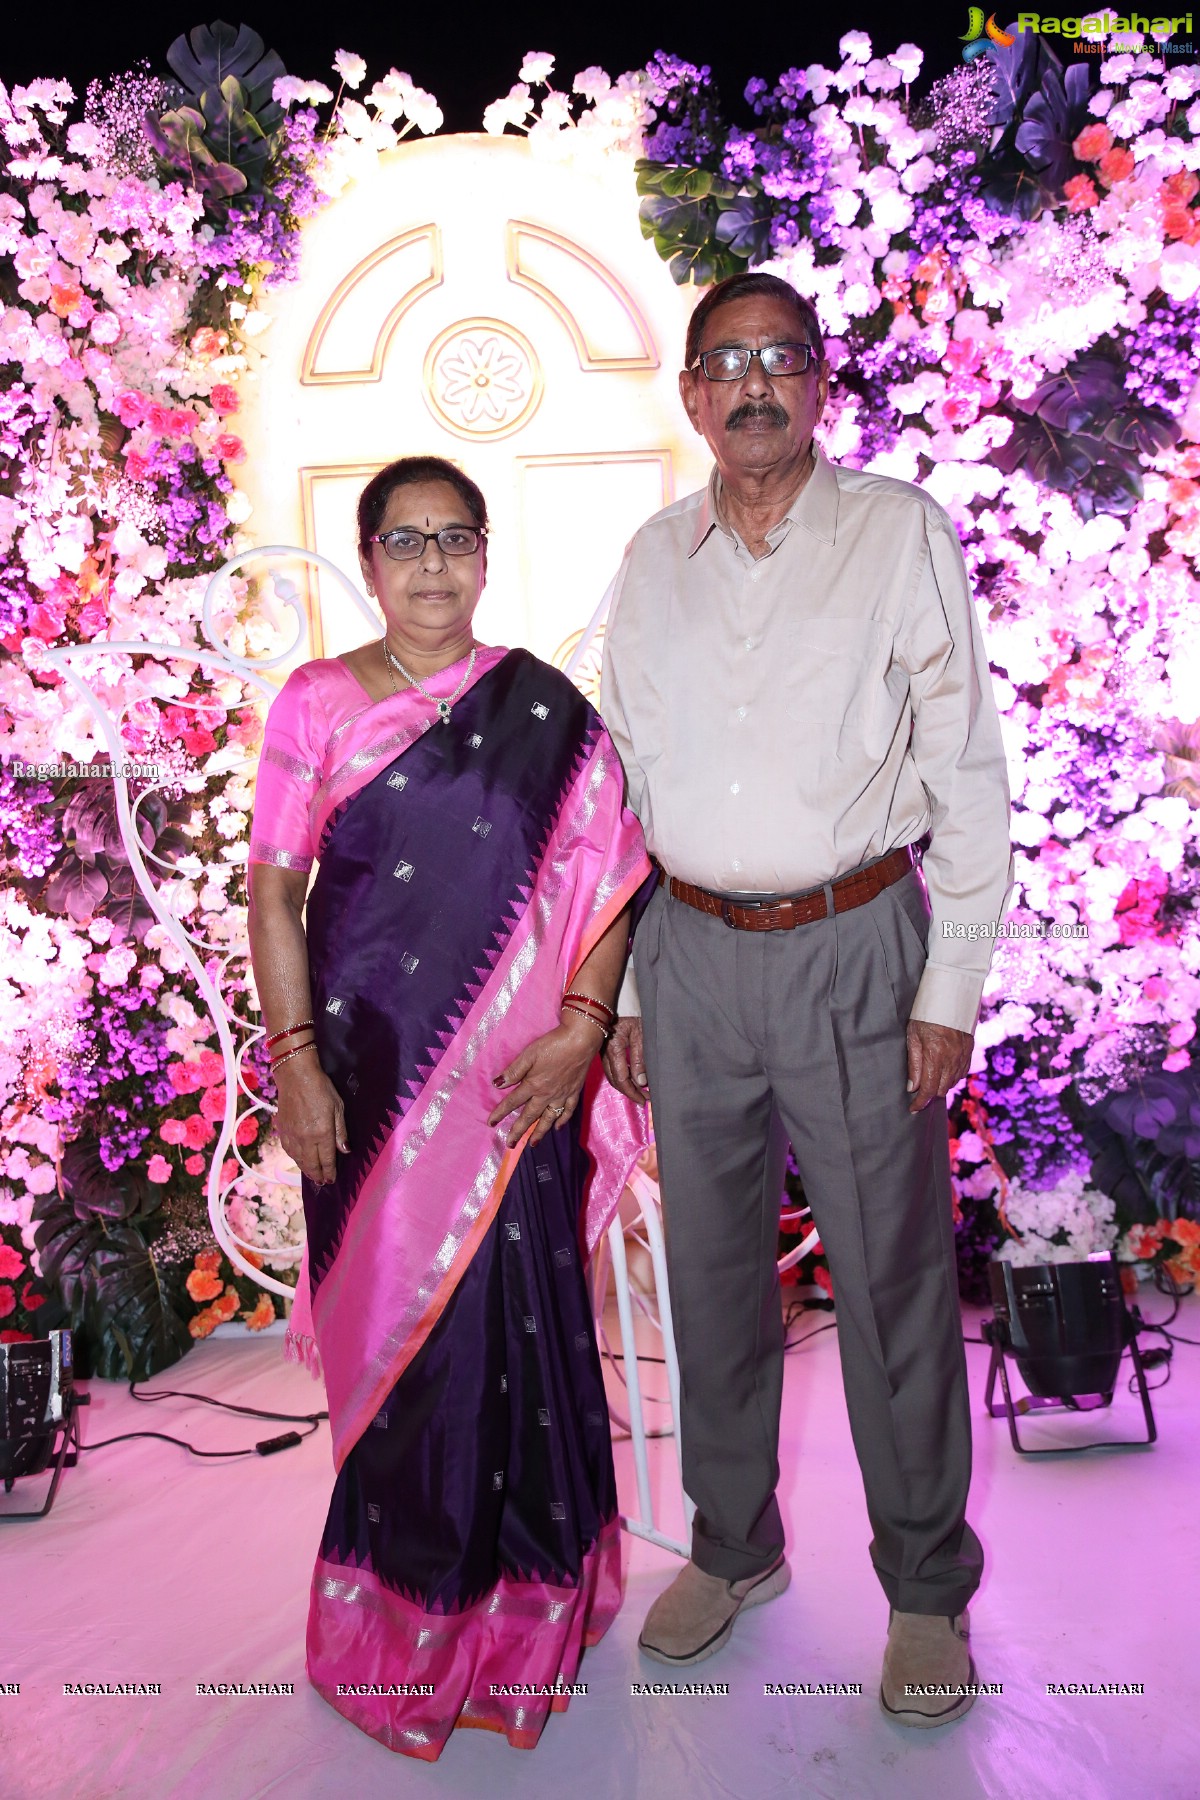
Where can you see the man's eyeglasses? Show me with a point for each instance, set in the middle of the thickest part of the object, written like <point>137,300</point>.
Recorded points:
<point>405,545</point>
<point>730,361</point>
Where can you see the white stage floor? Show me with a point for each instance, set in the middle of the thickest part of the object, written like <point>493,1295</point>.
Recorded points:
<point>154,1566</point>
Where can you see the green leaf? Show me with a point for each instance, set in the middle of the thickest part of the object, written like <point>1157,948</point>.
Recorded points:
<point>128,1313</point>
<point>744,226</point>
<point>690,184</point>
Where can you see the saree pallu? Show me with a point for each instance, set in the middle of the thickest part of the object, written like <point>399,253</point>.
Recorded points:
<point>471,1549</point>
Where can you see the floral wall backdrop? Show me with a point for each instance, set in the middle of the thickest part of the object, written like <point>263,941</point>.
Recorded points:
<point>1007,269</point>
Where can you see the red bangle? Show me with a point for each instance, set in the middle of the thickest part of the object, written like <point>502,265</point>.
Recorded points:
<point>305,1025</point>
<point>278,1061</point>
<point>591,1000</point>
<point>604,1030</point>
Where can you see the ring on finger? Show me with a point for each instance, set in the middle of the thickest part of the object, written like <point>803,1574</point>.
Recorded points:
<point>558,1111</point>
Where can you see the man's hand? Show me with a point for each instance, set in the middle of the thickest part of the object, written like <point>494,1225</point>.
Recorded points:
<point>625,1060</point>
<point>938,1058</point>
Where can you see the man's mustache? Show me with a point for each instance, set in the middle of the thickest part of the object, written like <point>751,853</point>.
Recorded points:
<point>756,409</point>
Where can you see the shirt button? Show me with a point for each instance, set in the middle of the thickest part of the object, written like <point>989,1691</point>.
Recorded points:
<point>749,643</point>
<point>735,787</point>
<point>741,712</point>
<point>735,864</point>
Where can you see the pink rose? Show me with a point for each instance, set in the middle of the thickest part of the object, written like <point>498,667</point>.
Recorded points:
<point>8,1300</point>
<point>229,448</point>
<point>212,1067</point>
<point>247,1129</point>
<point>158,1169</point>
<point>194,1165</point>
<point>12,1263</point>
<point>183,421</point>
<point>173,1131</point>
<point>224,399</point>
<point>159,419</point>
<point>185,1077</point>
<point>106,328</point>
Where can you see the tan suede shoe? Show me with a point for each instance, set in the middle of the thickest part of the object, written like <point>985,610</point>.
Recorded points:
<point>692,1620</point>
<point>928,1653</point>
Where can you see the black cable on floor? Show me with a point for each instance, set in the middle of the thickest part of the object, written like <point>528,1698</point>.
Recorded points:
<point>265,1447</point>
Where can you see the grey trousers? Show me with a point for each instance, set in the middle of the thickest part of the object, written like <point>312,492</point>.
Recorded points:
<point>753,1039</point>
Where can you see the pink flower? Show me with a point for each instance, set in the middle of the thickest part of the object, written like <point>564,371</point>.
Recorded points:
<point>197,741</point>
<point>185,1077</point>
<point>212,1103</point>
<point>209,343</point>
<point>159,419</point>
<point>229,448</point>
<point>131,408</point>
<point>106,328</point>
<point>194,1165</point>
<point>1092,143</point>
<point>136,467</point>
<point>183,421</point>
<point>158,1169</point>
<point>225,399</point>
<point>197,1132</point>
<point>1081,193</point>
<point>173,1131</point>
<point>8,1300</point>
<point>963,355</point>
<point>247,1129</point>
<point>12,1263</point>
<point>960,406</point>
<point>212,1067</point>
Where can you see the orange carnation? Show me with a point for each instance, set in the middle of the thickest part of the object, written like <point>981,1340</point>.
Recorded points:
<point>262,1316</point>
<point>1092,143</point>
<point>224,1308</point>
<point>203,1285</point>
<point>1081,193</point>
<point>202,1324</point>
<point>209,1260</point>
<point>1116,164</point>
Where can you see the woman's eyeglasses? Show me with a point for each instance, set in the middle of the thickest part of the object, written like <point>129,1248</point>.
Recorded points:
<point>405,545</point>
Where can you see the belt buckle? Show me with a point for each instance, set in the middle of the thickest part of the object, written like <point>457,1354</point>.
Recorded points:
<point>727,914</point>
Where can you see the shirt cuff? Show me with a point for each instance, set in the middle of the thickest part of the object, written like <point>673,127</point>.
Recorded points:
<point>948,997</point>
<point>629,1004</point>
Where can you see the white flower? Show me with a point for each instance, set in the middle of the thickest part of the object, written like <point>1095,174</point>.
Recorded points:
<point>593,83</point>
<point>351,68</point>
<point>917,177</point>
<point>538,66</point>
<point>289,91</point>
<point>855,47</point>
<point>908,60</point>
<point>424,111</point>
<point>512,110</point>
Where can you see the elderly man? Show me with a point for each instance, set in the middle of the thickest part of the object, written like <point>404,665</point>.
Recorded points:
<point>795,680</point>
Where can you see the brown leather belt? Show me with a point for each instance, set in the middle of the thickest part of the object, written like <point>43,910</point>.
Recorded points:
<point>799,909</point>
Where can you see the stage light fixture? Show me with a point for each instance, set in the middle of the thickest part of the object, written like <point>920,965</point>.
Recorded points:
<point>1066,1325</point>
<point>39,1414</point>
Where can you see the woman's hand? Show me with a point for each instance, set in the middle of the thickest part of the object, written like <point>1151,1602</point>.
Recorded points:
<point>546,1079</point>
<point>310,1118</point>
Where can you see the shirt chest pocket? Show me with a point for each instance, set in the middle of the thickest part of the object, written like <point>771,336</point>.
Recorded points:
<point>836,668</point>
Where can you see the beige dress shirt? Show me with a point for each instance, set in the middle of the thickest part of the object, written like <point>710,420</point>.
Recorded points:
<point>786,719</point>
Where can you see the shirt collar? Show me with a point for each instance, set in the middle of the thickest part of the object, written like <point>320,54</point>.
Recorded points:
<point>815,506</point>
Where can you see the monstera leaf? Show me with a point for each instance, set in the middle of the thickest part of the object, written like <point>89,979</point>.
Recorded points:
<point>684,213</point>
<point>744,226</point>
<point>131,1325</point>
<point>95,1191</point>
<point>207,56</point>
<point>1018,72</point>
<point>124,1314</point>
<point>222,129</point>
<point>1052,120</point>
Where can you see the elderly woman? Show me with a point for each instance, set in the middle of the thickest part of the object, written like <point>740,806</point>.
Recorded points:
<point>433,1015</point>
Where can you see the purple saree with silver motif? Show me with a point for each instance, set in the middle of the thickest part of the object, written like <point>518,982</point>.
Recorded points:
<point>471,1549</point>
